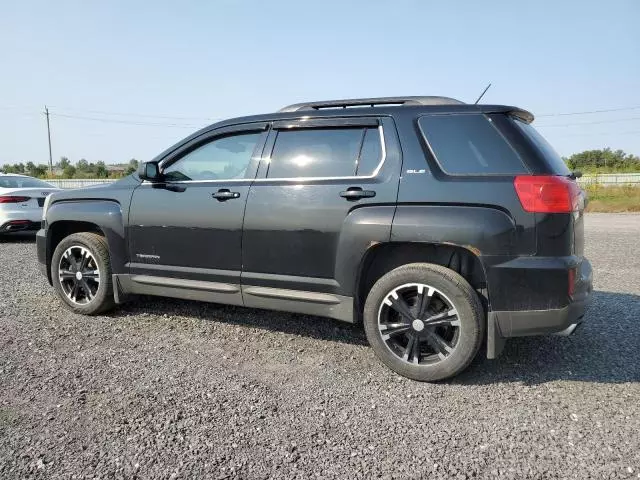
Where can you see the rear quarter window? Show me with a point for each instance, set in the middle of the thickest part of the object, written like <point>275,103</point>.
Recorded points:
<point>469,144</point>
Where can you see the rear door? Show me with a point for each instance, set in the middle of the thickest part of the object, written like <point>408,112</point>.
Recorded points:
<point>314,173</point>
<point>187,229</point>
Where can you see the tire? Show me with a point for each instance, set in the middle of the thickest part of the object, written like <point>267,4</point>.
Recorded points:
<point>445,292</point>
<point>100,297</point>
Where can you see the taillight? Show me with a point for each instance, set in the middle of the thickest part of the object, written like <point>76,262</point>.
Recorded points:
<point>547,193</point>
<point>12,199</point>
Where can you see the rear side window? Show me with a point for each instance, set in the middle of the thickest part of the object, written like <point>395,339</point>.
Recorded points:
<point>22,182</point>
<point>546,150</point>
<point>469,145</point>
<point>325,152</point>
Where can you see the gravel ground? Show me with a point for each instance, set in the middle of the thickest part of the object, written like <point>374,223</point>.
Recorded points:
<point>177,389</point>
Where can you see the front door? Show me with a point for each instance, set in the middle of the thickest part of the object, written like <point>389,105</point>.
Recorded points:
<point>185,232</point>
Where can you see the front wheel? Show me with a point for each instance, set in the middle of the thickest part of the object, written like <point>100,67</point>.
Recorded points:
<point>81,273</point>
<point>424,321</point>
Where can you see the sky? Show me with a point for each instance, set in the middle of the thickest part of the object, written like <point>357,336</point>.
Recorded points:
<point>126,79</point>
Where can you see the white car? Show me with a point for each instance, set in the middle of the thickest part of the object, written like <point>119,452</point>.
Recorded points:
<point>21,202</point>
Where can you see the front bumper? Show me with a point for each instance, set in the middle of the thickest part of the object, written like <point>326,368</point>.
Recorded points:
<point>41,251</point>
<point>561,320</point>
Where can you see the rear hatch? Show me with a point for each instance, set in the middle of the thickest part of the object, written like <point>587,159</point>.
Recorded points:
<point>560,220</point>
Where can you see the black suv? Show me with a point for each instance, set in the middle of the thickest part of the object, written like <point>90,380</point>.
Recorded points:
<point>437,224</point>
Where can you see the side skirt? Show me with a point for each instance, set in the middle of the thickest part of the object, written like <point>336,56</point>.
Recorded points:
<point>328,305</point>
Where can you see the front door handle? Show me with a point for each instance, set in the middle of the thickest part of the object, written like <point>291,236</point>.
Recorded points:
<point>356,193</point>
<point>225,194</point>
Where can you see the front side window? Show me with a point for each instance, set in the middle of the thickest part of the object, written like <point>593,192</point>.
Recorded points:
<point>224,158</point>
<point>469,144</point>
<point>325,152</point>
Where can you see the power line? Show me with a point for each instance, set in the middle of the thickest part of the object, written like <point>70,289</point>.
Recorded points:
<point>141,115</point>
<point>589,112</point>
<point>630,132</point>
<point>126,122</point>
<point>614,120</point>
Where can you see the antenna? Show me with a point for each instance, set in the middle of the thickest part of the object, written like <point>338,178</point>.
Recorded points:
<point>482,94</point>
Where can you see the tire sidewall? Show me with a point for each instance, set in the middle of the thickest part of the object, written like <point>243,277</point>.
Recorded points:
<point>464,300</point>
<point>102,295</point>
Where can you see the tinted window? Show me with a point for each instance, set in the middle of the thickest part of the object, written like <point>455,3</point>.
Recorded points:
<point>23,182</point>
<point>326,152</point>
<point>221,159</point>
<point>555,160</point>
<point>371,153</point>
<point>469,145</point>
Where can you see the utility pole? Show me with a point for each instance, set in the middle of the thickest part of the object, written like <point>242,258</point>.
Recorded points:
<point>46,113</point>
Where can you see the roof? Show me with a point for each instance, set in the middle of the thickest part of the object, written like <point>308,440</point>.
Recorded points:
<point>362,107</point>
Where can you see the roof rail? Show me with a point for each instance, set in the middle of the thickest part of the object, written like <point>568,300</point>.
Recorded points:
<point>354,102</point>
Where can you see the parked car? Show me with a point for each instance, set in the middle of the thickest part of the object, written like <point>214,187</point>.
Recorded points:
<point>439,225</point>
<point>21,201</point>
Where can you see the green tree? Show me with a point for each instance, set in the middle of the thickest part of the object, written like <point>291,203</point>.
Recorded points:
<point>82,166</point>
<point>69,171</point>
<point>100,170</point>
<point>607,159</point>
<point>63,163</point>
<point>132,167</point>
<point>40,171</point>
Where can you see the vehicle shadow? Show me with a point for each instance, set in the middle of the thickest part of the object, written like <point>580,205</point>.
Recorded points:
<point>603,350</point>
<point>18,237</point>
<point>283,322</point>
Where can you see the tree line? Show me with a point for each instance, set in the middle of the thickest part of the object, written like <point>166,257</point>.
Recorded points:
<point>605,160</point>
<point>65,169</point>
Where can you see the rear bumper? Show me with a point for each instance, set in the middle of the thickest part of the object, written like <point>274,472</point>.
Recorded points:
<point>19,225</point>
<point>503,324</point>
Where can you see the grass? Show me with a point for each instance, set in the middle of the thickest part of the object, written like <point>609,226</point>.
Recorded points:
<point>624,198</point>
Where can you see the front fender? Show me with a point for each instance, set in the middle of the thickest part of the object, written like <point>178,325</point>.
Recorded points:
<point>105,214</point>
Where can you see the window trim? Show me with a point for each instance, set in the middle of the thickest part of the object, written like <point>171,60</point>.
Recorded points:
<point>330,124</point>
<point>210,136</point>
<point>491,122</point>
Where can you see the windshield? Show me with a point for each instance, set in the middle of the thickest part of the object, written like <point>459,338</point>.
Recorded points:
<point>555,161</point>
<point>23,182</point>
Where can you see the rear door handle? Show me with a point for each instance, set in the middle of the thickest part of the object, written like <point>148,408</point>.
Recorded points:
<point>356,193</point>
<point>225,194</point>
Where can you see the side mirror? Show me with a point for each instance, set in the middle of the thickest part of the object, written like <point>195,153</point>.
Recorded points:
<point>149,171</point>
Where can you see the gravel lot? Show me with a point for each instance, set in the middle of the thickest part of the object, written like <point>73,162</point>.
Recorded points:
<point>177,389</point>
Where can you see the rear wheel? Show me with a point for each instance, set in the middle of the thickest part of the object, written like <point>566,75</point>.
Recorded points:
<point>424,321</point>
<point>81,273</point>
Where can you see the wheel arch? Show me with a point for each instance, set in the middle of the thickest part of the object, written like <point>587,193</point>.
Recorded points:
<point>384,257</point>
<point>102,217</point>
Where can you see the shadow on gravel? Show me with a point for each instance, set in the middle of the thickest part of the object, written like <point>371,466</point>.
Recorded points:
<point>290,323</point>
<point>18,237</point>
<point>603,350</point>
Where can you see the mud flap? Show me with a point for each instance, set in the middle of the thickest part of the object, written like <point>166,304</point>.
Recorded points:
<point>119,296</point>
<point>495,340</point>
